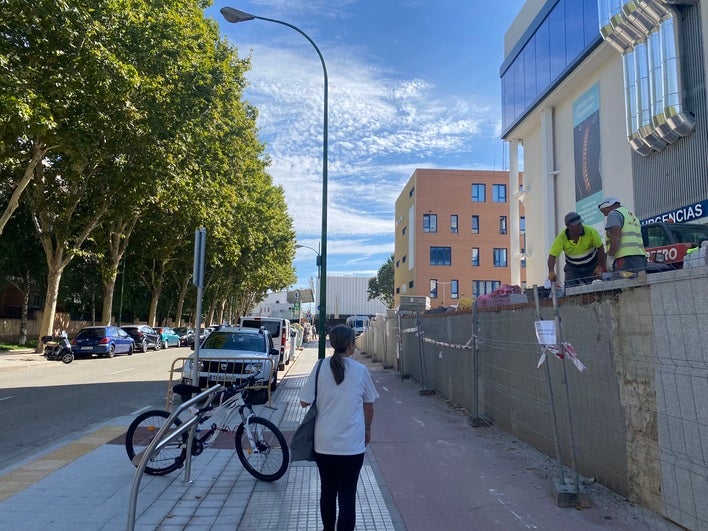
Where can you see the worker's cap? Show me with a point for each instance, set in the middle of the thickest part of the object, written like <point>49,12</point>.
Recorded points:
<point>572,218</point>
<point>608,202</point>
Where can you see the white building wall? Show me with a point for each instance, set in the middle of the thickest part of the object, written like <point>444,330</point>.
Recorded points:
<point>348,296</point>
<point>549,197</point>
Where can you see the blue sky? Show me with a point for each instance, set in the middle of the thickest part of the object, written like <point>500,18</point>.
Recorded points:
<point>412,84</point>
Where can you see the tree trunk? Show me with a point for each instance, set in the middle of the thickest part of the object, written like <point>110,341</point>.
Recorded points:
<point>50,300</point>
<point>155,297</point>
<point>184,286</point>
<point>109,285</point>
<point>222,308</point>
<point>25,314</point>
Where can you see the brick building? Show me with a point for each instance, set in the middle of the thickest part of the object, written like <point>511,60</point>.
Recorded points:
<point>452,235</point>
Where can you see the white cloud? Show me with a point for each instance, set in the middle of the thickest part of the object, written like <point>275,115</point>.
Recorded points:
<point>375,122</point>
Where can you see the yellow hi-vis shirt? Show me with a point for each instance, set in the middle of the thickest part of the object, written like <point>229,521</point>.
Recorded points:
<point>577,253</point>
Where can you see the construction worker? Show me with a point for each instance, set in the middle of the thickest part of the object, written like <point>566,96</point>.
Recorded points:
<point>625,248</point>
<point>584,252</point>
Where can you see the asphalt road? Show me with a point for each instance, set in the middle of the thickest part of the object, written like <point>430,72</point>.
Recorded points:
<point>44,403</point>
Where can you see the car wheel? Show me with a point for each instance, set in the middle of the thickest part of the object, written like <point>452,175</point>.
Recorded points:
<point>131,349</point>
<point>158,344</point>
<point>144,345</point>
<point>111,351</point>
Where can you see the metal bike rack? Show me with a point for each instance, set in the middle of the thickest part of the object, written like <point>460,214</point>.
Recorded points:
<point>221,376</point>
<point>161,440</point>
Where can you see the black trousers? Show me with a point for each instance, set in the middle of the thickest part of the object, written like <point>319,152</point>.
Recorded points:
<point>578,275</point>
<point>339,475</point>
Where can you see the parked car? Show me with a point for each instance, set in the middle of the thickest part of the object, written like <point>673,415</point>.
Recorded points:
<point>168,335</point>
<point>186,336</point>
<point>205,332</point>
<point>279,329</point>
<point>233,354</point>
<point>144,336</point>
<point>104,341</point>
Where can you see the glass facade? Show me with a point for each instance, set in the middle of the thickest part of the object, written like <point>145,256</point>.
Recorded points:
<point>561,35</point>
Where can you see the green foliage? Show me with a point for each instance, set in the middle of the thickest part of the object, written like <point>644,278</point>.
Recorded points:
<point>381,286</point>
<point>135,111</point>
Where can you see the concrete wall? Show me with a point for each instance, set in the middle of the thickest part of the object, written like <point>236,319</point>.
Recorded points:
<point>638,413</point>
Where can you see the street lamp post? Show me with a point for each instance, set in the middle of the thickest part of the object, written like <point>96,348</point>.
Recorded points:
<point>234,15</point>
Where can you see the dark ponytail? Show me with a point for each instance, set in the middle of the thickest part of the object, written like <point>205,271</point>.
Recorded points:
<point>340,337</point>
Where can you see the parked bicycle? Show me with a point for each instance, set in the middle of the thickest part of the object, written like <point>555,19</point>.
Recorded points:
<point>260,446</point>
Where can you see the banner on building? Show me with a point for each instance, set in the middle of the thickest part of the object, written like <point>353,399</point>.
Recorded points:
<point>586,145</point>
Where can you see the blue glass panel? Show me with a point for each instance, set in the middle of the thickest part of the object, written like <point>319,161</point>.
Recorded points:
<point>543,58</point>
<point>507,84</point>
<point>563,31</point>
<point>590,22</point>
<point>574,39</point>
<point>530,72</point>
<point>518,68</point>
<point>556,28</point>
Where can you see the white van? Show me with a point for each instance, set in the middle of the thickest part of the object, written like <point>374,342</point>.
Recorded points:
<point>359,323</point>
<point>279,329</point>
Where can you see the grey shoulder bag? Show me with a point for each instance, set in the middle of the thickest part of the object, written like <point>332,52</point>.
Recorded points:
<point>302,447</point>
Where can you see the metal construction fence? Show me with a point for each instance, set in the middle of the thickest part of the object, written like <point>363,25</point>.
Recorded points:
<point>620,394</point>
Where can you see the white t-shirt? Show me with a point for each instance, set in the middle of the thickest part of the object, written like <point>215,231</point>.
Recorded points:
<point>339,428</point>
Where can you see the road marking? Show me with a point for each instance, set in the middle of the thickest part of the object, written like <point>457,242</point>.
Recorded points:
<point>31,473</point>
<point>526,520</point>
<point>118,372</point>
<point>6,397</point>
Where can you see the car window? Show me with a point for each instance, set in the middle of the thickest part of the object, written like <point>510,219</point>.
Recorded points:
<point>121,333</point>
<point>91,333</point>
<point>235,341</point>
<point>272,326</point>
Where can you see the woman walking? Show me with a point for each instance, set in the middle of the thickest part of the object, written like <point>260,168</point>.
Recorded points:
<point>345,409</point>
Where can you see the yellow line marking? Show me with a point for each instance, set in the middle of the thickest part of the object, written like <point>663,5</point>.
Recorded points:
<point>31,473</point>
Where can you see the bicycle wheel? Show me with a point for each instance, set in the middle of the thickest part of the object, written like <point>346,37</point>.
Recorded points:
<point>268,459</point>
<point>141,433</point>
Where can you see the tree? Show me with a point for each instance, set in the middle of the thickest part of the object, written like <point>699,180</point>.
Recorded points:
<point>381,286</point>
<point>21,263</point>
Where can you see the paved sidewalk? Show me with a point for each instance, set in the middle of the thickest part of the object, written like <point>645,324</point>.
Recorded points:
<point>426,469</point>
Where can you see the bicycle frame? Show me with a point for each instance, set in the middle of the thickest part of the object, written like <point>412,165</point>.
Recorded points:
<point>222,414</point>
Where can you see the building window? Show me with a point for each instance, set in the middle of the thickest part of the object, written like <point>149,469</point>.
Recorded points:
<point>522,224</point>
<point>454,289</point>
<point>499,257</point>
<point>441,256</point>
<point>453,223</point>
<point>410,194</point>
<point>410,284</point>
<point>398,290</point>
<point>484,287</point>
<point>433,288</point>
<point>430,223</point>
<point>523,263</point>
<point>404,259</point>
<point>478,193</point>
<point>398,263</point>
<point>475,256</point>
<point>502,224</point>
<point>475,224</point>
<point>403,231</point>
<point>499,193</point>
